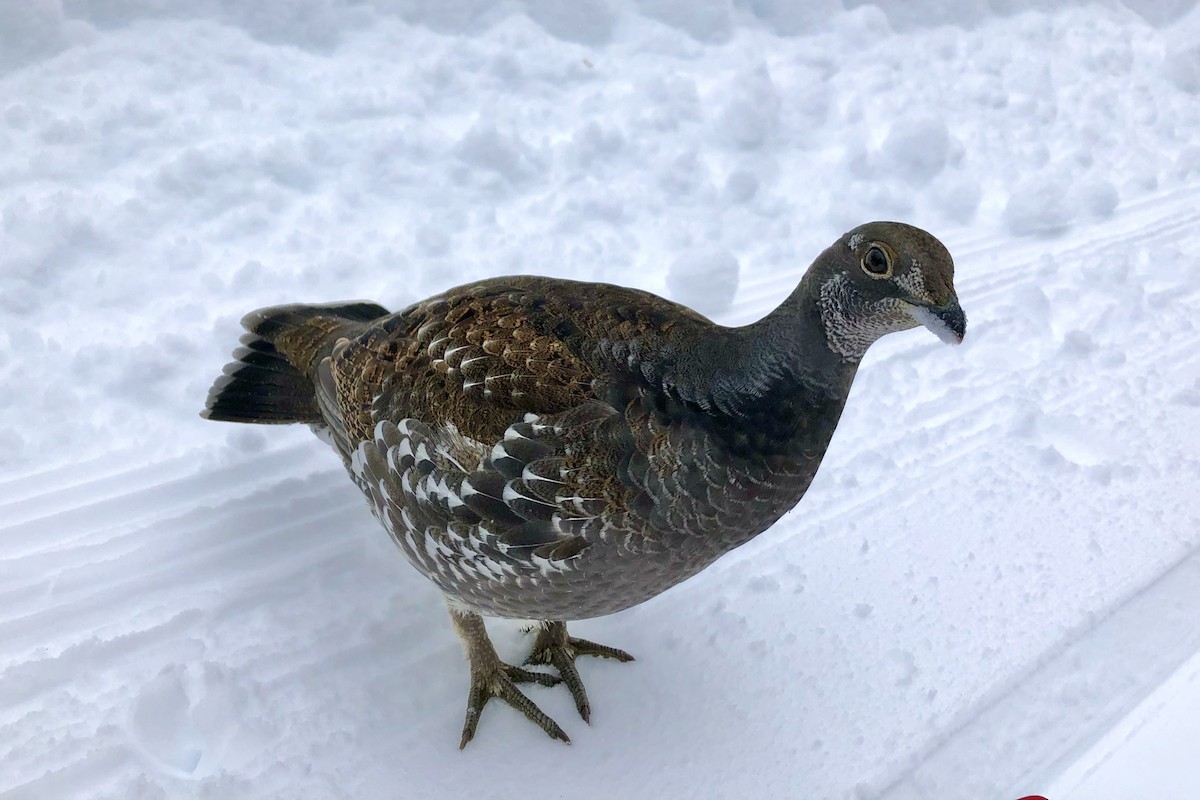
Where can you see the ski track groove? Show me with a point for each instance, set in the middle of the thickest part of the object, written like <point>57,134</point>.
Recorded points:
<point>115,584</point>
<point>75,493</point>
<point>1112,710</point>
<point>131,547</point>
<point>334,663</point>
<point>26,683</point>
<point>35,677</point>
<point>20,489</point>
<point>97,766</point>
<point>150,502</point>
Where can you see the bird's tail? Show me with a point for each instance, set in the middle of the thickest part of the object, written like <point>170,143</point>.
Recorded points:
<point>269,380</point>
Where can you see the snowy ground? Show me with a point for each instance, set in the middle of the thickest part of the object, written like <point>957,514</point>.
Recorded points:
<point>1150,753</point>
<point>991,589</point>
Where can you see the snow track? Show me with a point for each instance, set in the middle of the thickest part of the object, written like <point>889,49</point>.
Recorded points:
<point>213,621</point>
<point>1100,676</point>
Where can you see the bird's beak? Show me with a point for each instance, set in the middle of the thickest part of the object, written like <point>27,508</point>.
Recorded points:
<point>948,322</point>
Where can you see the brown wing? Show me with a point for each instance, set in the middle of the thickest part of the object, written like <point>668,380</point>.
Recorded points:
<point>481,356</point>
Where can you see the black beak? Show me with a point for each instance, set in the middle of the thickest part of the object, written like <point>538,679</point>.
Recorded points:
<point>952,317</point>
<point>947,322</point>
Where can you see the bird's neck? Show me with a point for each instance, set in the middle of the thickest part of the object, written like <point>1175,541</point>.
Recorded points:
<point>804,335</point>
<point>783,359</point>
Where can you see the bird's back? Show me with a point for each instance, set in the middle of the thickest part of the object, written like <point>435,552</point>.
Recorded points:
<point>481,356</point>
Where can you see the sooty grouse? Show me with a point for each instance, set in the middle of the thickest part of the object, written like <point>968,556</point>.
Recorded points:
<point>552,450</point>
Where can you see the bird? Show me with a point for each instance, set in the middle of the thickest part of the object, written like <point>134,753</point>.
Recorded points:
<point>551,450</point>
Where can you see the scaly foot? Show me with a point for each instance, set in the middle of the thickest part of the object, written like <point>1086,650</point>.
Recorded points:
<point>555,647</point>
<point>491,677</point>
<point>501,682</point>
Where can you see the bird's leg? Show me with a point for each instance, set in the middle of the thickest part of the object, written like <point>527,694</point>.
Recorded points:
<point>554,647</point>
<point>491,677</point>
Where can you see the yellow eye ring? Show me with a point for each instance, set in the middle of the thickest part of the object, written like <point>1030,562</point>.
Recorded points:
<point>877,262</point>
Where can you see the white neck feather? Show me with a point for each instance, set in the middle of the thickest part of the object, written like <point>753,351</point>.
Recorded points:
<point>852,323</point>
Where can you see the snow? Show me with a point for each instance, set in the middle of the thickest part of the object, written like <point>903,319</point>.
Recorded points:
<point>985,593</point>
<point>1150,753</point>
<point>1043,205</point>
<point>704,280</point>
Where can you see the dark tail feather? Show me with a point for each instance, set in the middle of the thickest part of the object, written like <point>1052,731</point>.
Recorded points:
<point>262,384</point>
<point>270,322</point>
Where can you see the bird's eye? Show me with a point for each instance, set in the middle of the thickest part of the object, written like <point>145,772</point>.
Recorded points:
<point>876,263</point>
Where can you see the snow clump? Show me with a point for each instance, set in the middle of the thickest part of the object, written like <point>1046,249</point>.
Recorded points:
<point>1041,206</point>
<point>917,149</point>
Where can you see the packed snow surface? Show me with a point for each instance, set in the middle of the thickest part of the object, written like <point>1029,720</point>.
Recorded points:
<point>995,567</point>
<point>1150,753</point>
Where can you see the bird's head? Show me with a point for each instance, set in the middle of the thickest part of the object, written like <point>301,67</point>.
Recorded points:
<point>884,277</point>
